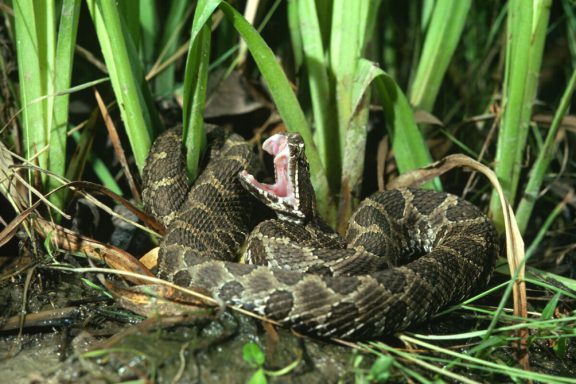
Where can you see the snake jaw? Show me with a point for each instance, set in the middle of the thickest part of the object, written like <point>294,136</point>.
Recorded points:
<point>281,196</point>
<point>277,146</point>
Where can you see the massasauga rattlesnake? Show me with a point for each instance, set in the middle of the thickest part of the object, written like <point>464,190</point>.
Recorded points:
<point>407,252</point>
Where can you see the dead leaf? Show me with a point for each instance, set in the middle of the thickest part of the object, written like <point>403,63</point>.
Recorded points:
<point>114,257</point>
<point>150,259</point>
<point>156,300</point>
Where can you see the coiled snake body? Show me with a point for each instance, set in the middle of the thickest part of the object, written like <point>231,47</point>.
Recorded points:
<point>407,252</point>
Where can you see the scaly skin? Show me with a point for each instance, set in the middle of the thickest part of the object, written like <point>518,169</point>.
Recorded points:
<point>407,254</point>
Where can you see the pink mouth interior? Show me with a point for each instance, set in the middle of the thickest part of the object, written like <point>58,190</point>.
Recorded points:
<point>277,147</point>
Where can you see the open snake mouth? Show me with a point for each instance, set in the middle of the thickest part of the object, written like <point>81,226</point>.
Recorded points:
<point>281,194</point>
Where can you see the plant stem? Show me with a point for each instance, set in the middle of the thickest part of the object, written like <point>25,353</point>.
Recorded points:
<point>545,156</point>
<point>527,25</point>
<point>441,41</point>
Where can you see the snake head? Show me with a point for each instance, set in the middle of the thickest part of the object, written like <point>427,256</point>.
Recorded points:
<point>291,195</point>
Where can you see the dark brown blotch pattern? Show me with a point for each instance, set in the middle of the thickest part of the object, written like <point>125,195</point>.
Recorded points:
<point>279,304</point>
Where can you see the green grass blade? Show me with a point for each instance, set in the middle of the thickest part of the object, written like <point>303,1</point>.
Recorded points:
<point>195,83</point>
<point>130,15</point>
<point>126,76</point>
<point>409,146</point>
<point>320,92</point>
<point>284,98</point>
<point>204,11</point>
<point>45,14</point>
<point>545,156</point>
<point>164,83</point>
<point>527,27</point>
<point>441,41</point>
<point>35,52</point>
<point>149,27</point>
<point>296,39</point>
<point>345,49</point>
<point>324,10</point>
<point>64,60</point>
